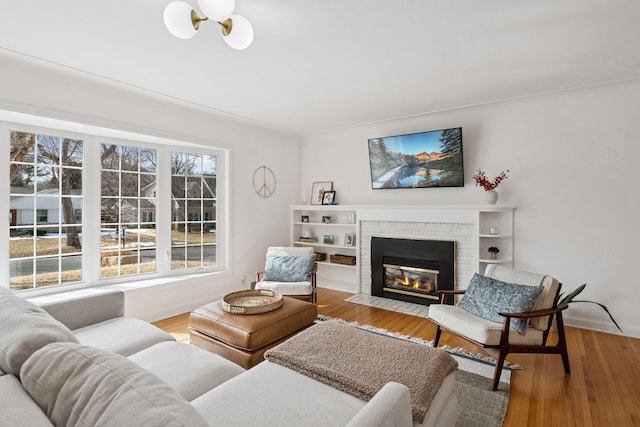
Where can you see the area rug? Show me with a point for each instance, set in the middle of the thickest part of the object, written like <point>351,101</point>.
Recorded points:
<point>478,406</point>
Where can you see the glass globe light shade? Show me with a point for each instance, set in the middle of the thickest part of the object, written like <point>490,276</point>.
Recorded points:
<point>241,34</point>
<point>217,10</point>
<point>177,19</point>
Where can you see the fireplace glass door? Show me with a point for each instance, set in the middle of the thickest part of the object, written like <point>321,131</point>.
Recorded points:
<point>419,282</point>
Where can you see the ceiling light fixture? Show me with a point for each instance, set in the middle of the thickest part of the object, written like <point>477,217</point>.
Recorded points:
<point>183,21</point>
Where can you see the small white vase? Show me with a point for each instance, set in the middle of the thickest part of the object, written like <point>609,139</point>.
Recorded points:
<point>492,197</point>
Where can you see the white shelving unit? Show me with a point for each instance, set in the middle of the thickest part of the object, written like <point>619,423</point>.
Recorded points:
<point>495,228</point>
<point>341,220</point>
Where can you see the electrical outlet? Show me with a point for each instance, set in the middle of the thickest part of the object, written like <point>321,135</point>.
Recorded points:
<point>243,279</point>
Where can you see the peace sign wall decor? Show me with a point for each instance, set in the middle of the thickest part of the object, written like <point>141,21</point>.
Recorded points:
<point>264,181</point>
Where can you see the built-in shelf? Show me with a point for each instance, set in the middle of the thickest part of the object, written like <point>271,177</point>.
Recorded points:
<point>335,264</point>
<point>324,224</point>
<point>341,221</point>
<point>500,222</point>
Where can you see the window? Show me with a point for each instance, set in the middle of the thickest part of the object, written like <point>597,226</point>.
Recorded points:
<point>46,198</point>
<point>127,209</point>
<point>42,216</point>
<point>193,194</point>
<point>88,210</point>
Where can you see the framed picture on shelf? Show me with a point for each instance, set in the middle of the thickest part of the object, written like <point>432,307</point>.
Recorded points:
<point>328,197</point>
<point>349,239</point>
<point>327,239</point>
<point>326,219</point>
<point>304,218</point>
<point>318,189</point>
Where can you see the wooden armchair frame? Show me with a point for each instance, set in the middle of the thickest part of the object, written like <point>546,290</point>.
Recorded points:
<point>500,351</point>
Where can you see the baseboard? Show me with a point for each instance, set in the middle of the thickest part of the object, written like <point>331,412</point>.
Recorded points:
<point>602,326</point>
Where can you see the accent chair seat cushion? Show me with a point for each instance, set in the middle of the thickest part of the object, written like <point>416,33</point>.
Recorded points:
<point>479,329</point>
<point>286,288</point>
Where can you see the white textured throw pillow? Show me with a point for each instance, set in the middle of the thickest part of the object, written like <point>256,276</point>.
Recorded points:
<point>25,328</point>
<point>78,385</point>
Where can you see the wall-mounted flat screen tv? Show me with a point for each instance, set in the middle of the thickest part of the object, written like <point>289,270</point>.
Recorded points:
<point>417,160</point>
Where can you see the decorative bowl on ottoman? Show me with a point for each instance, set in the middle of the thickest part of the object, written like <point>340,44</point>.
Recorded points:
<point>251,302</point>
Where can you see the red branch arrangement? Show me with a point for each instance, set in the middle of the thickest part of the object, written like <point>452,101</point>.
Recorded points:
<point>481,180</point>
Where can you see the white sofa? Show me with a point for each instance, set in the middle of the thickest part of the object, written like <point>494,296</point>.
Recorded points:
<point>80,362</point>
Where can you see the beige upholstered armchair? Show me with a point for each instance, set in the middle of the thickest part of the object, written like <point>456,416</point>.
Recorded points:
<point>485,315</point>
<point>290,271</point>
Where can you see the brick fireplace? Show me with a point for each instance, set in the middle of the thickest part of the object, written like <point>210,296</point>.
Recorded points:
<point>411,270</point>
<point>457,225</point>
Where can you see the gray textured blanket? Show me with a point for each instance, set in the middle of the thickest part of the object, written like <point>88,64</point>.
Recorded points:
<point>361,363</point>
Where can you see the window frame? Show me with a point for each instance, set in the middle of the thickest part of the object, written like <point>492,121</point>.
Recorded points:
<point>92,199</point>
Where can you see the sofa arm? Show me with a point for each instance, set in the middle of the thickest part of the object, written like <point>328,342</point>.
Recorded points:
<point>389,407</point>
<point>88,308</point>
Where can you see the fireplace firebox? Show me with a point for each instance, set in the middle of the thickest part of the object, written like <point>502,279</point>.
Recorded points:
<point>411,270</point>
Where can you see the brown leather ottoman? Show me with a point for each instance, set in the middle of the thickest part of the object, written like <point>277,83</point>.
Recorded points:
<point>243,338</point>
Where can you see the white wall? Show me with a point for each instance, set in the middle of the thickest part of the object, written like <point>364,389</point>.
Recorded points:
<point>34,88</point>
<point>573,159</point>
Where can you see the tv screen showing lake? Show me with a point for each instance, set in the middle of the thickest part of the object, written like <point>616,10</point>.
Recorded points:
<point>418,160</point>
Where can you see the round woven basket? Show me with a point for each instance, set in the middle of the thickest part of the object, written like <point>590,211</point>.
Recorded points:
<point>251,302</point>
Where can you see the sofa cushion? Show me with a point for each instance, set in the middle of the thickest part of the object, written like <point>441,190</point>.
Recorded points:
<point>17,409</point>
<point>188,369</point>
<point>486,297</point>
<point>79,385</point>
<point>25,328</point>
<point>288,268</point>
<point>122,335</point>
<point>279,395</point>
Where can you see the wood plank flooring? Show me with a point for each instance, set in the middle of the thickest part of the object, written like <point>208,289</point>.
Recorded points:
<point>603,388</point>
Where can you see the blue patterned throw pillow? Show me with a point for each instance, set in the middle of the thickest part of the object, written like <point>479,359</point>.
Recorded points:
<point>288,268</point>
<point>485,297</point>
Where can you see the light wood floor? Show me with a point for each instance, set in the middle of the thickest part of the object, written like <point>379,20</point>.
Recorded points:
<point>602,390</point>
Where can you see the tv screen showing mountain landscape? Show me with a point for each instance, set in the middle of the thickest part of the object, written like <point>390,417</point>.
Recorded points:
<point>418,160</point>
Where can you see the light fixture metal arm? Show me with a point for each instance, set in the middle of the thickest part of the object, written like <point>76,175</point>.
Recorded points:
<point>195,19</point>
<point>227,26</point>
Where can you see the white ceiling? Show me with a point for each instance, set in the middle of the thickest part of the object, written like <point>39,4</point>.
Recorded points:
<point>319,65</point>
